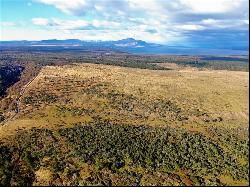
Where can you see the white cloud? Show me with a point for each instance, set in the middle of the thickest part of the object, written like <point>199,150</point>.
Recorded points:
<point>211,6</point>
<point>68,24</point>
<point>161,10</point>
<point>80,24</point>
<point>79,7</point>
<point>209,21</point>
<point>145,4</point>
<point>107,24</point>
<point>190,27</point>
<point>225,23</point>
<point>29,34</point>
<point>40,21</point>
<point>246,22</point>
<point>7,24</point>
<point>69,6</point>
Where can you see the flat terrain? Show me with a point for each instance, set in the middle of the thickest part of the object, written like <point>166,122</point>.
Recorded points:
<point>134,96</point>
<point>205,111</point>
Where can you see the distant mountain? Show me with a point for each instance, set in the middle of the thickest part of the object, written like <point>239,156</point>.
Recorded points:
<point>126,44</point>
<point>130,42</point>
<point>130,45</point>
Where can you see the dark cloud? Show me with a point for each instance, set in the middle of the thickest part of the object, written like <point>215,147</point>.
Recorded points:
<point>225,38</point>
<point>152,31</point>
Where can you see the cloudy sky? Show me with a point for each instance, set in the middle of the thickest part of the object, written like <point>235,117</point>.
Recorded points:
<point>174,22</point>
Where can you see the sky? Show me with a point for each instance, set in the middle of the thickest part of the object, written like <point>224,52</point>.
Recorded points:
<point>193,23</point>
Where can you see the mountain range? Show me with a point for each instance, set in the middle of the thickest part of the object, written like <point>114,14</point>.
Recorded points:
<point>129,45</point>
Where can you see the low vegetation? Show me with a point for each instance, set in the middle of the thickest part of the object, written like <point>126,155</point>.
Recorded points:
<point>110,154</point>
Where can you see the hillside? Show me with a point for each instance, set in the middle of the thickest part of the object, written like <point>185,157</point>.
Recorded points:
<point>90,124</point>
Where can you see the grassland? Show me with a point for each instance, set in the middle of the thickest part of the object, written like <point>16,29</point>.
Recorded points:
<point>89,124</point>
